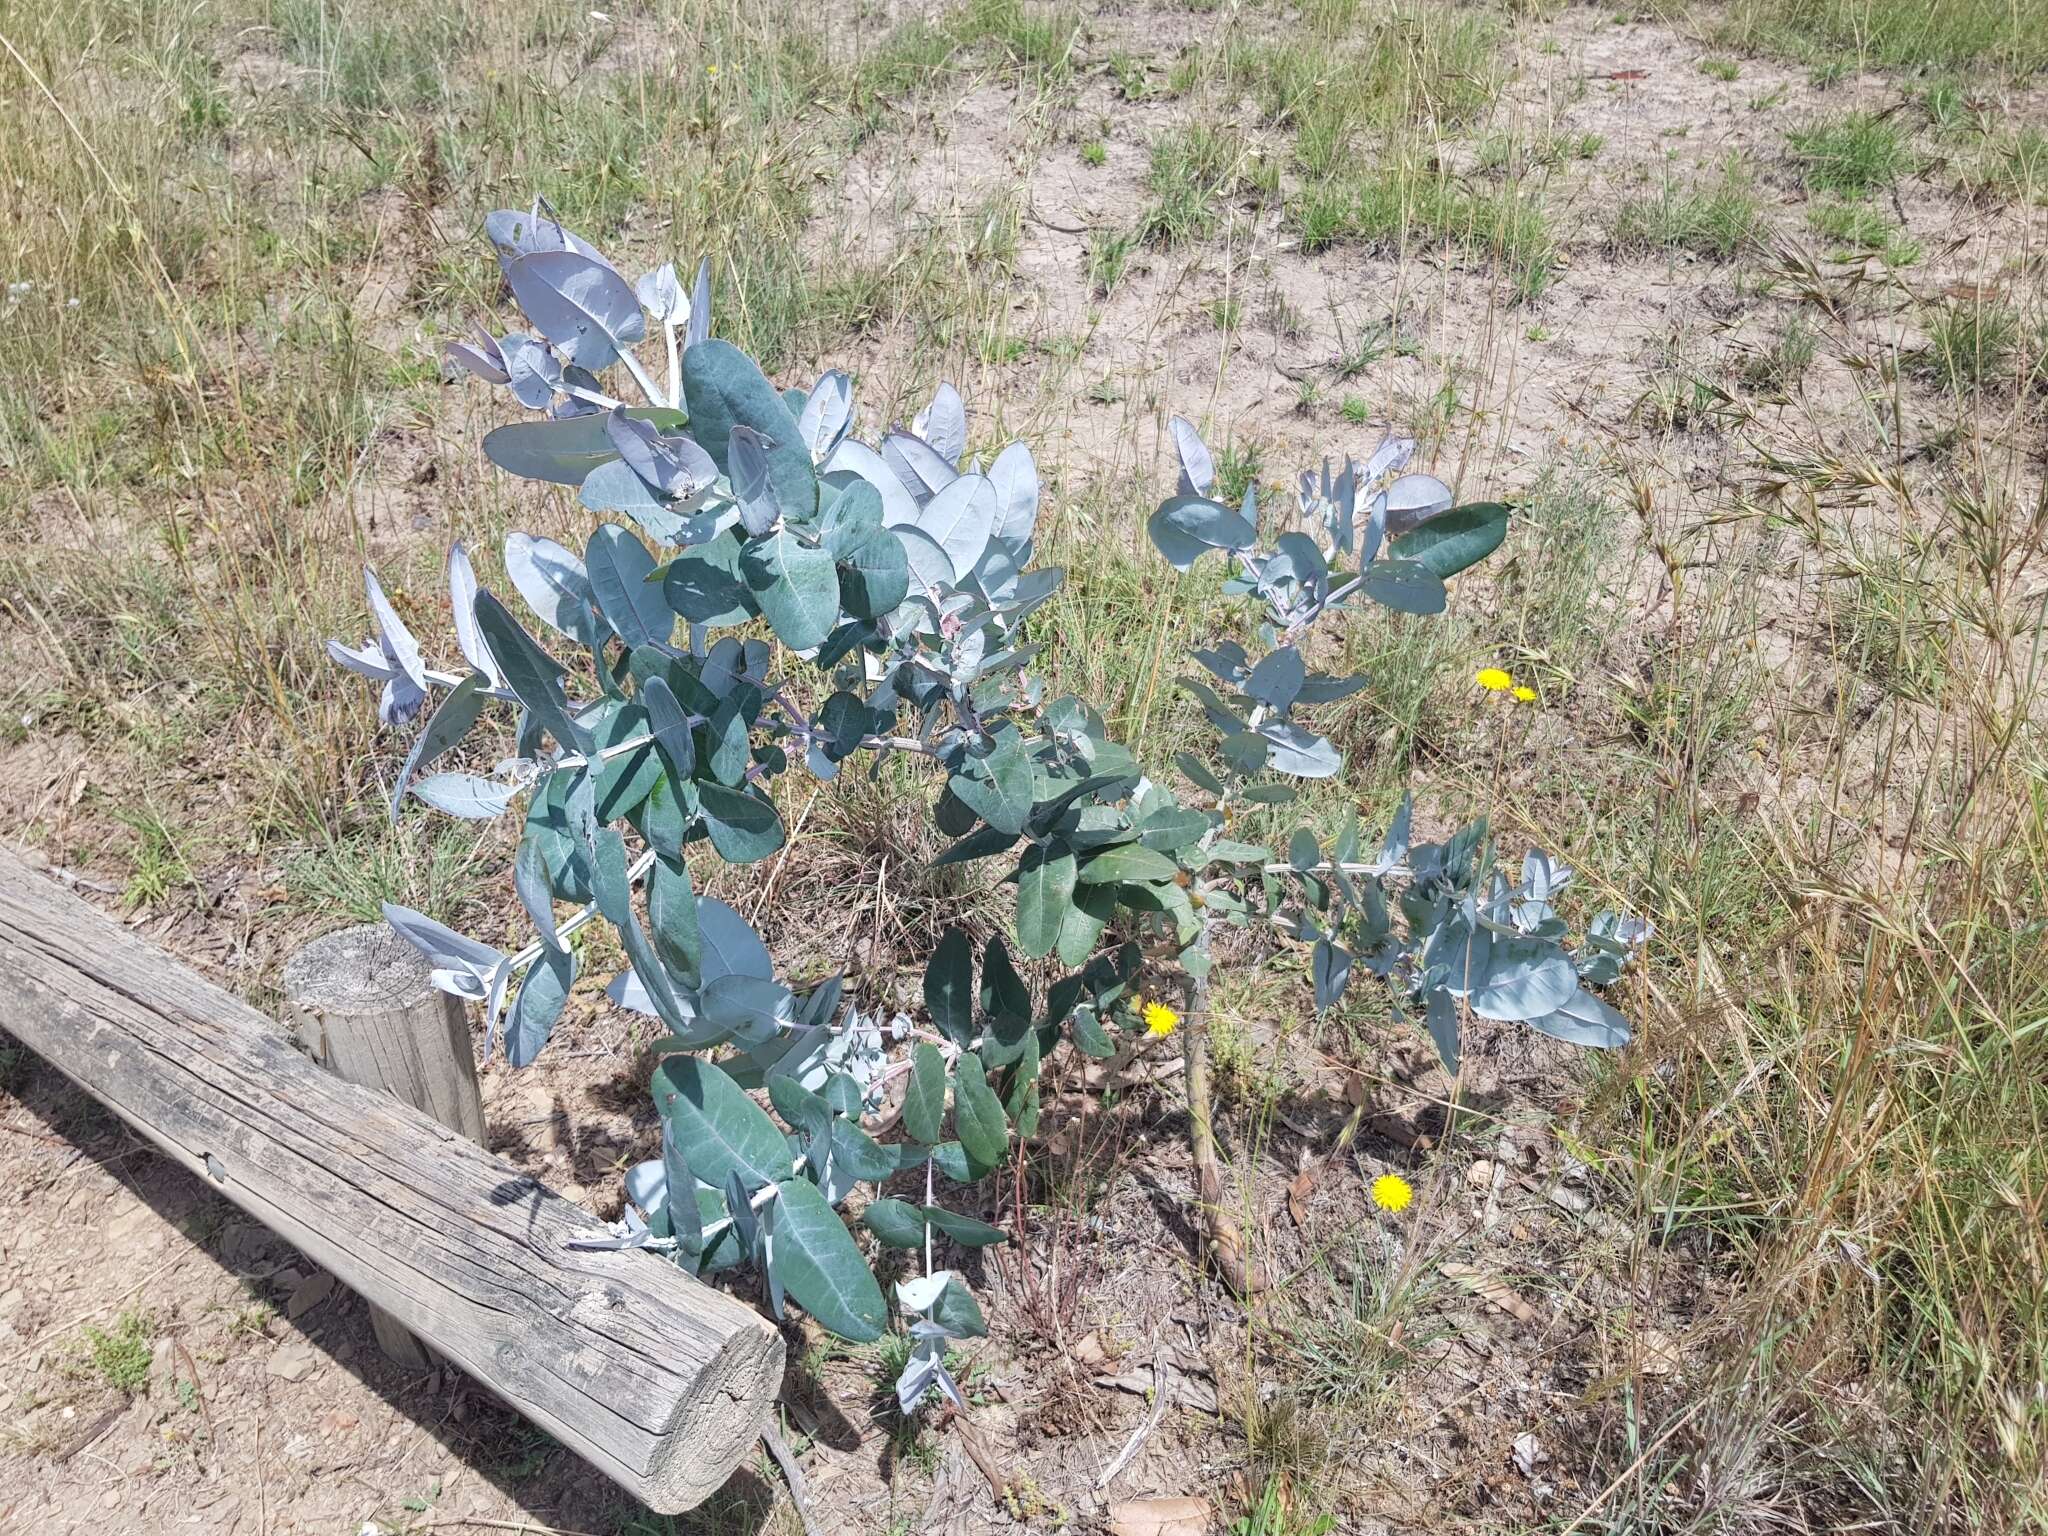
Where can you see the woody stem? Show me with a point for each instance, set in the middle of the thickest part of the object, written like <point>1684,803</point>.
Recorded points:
<point>1226,1243</point>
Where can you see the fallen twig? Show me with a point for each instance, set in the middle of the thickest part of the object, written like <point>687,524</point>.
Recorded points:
<point>998,1482</point>
<point>792,1474</point>
<point>198,1393</point>
<point>1160,1395</point>
<point>1494,1291</point>
<point>55,1141</point>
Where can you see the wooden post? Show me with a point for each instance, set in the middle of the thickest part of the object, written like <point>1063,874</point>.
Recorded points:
<point>363,1005</point>
<point>652,1376</point>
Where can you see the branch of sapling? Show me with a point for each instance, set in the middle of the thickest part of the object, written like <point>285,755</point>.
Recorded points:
<point>1349,867</point>
<point>761,1197</point>
<point>594,397</point>
<point>1335,597</point>
<point>899,744</point>
<point>450,680</point>
<point>616,749</point>
<point>802,727</point>
<point>581,916</point>
<point>647,385</point>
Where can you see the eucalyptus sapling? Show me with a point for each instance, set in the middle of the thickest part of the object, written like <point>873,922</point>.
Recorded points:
<point>898,573</point>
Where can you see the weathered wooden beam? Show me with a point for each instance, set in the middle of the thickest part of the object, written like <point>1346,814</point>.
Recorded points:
<point>655,1378</point>
<point>362,1003</point>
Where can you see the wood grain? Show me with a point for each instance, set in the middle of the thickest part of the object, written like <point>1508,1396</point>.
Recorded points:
<point>655,1378</point>
<point>363,1004</point>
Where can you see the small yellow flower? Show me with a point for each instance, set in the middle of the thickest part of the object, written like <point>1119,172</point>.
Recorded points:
<point>1160,1020</point>
<point>1525,693</point>
<point>1391,1192</point>
<point>1493,680</point>
<point>711,70</point>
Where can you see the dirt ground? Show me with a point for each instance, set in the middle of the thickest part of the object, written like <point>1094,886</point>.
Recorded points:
<point>262,1404</point>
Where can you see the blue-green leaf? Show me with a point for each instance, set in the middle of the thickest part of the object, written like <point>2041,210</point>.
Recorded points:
<point>1188,527</point>
<point>670,723</point>
<point>1293,749</point>
<point>1045,894</point>
<point>1004,996</point>
<point>743,826</point>
<point>466,795</point>
<point>924,1101</point>
<point>1406,586</point>
<point>1525,979</point>
<point>958,1313</point>
<point>1440,1018</point>
<point>704,584</point>
<point>981,843</point>
<point>730,946</point>
<point>821,1268</point>
<point>967,1231</point>
<point>447,726</point>
<point>624,779</point>
<point>897,1223</point>
<point>978,1116</point>
<point>874,574</point>
<point>1585,1020</point>
<point>672,909</point>
<point>1091,1037</point>
<point>1198,772</point>
<point>997,788</point>
<point>619,565</point>
<point>752,1007</point>
<point>539,1004</point>
<point>724,389</point>
<point>685,1216</point>
<point>529,672</point>
<point>959,520</point>
<point>1331,968</point>
<point>1128,863</point>
<point>614,487</point>
<point>720,1128</point>
<point>854,513</point>
<point>615,899</point>
<point>535,887</point>
<point>564,452</point>
<point>727,751</point>
<point>949,985</point>
<point>1455,540</point>
<point>1277,679</point>
<point>579,303</point>
<point>956,1163</point>
<point>1093,907</point>
<point>796,587</point>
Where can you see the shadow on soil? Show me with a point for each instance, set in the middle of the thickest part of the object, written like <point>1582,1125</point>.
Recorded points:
<point>521,1460</point>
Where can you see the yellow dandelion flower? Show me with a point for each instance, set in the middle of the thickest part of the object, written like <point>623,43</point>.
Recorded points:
<point>1493,680</point>
<point>1160,1020</point>
<point>1391,1192</point>
<point>1526,694</point>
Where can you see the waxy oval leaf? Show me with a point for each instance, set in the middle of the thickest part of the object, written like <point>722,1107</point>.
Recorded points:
<point>721,1130</point>
<point>821,1267</point>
